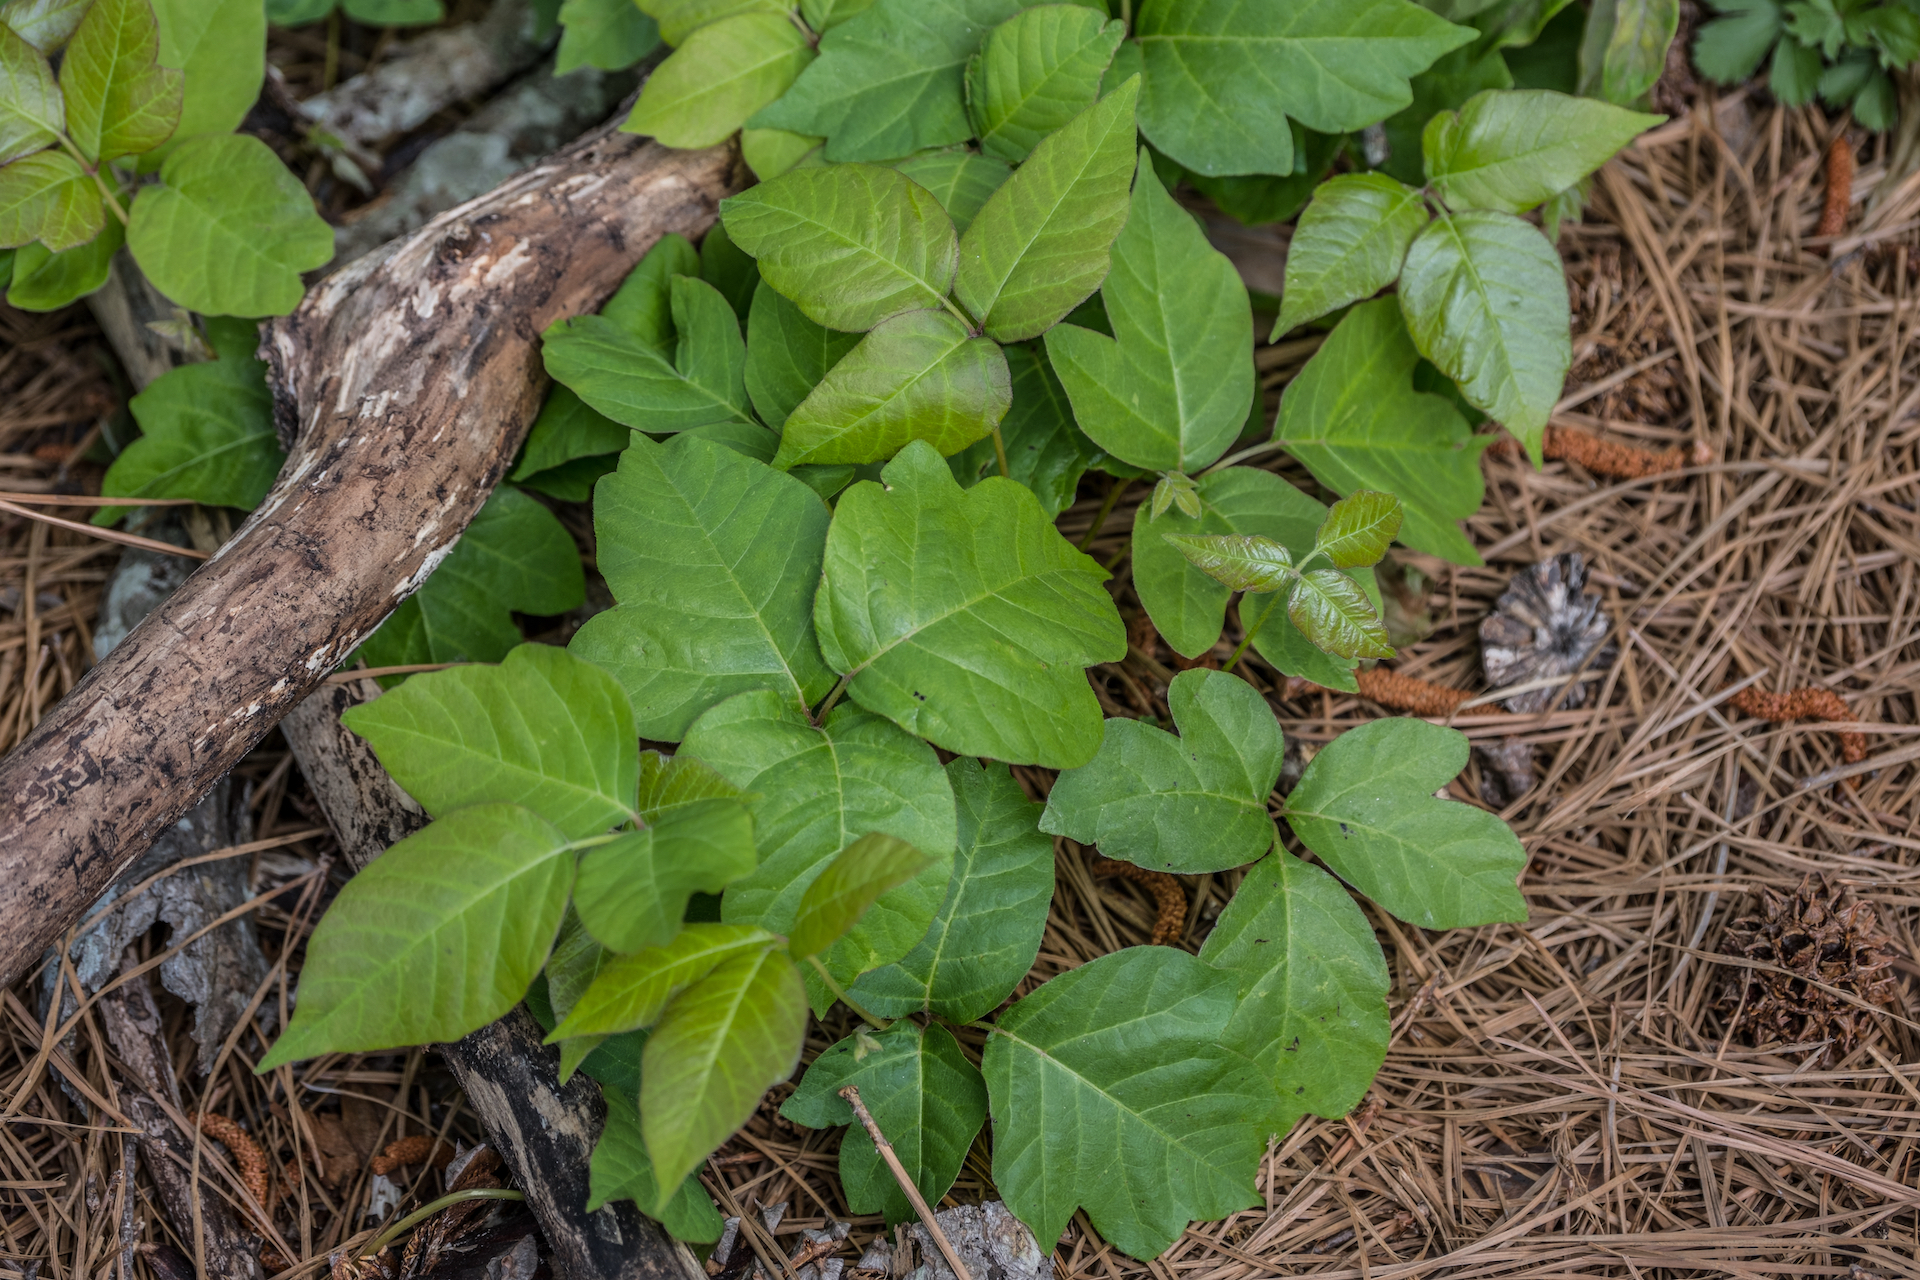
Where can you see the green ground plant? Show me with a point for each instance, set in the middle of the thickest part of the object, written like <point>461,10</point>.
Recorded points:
<point>1837,50</point>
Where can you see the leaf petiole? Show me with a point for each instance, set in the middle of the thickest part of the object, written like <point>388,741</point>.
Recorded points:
<point>1000,451</point>
<point>426,1211</point>
<point>878,1023</point>
<point>106,189</point>
<point>1234,661</point>
<point>832,698</point>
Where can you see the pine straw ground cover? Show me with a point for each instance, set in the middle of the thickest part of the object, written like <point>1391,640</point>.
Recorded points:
<point>1568,1098</point>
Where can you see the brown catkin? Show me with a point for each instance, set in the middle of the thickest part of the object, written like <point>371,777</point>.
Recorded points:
<point>415,1148</point>
<point>246,1152</point>
<point>1166,891</point>
<point>1839,188</point>
<point>1408,693</point>
<point>1803,704</point>
<point>1610,458</point>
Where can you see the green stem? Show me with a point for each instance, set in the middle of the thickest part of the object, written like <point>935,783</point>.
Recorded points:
<point>424,1212</point>
<point>1253,452</point>
<point>1126,15</point>
<point>1000,452</point>
<point>960,315</point>
<point>93,171</point>
<point>1237,653</point>
<point>1115,488</point>
<point>832,698</point>
<point>878,1023</point>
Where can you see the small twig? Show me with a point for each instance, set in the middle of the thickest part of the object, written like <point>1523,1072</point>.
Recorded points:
<point>78,500</point>
<point>426,1211</point>
<point>852,1094</point>
<point>106,535</point>
<point>1166,891</point>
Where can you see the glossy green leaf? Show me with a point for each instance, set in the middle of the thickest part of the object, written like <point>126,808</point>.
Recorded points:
<point>1447,84</point>
<point>46,281</point>
<point>1037,70</point>
<point>851,244</point>
<point>1223,76</point>
<point>1237,561</point>
<point>888,81</point>
<point>120,101</point>
<point>437,937</point>
<point>565,431</point>
<point>1188,606</point>
<point>1288,650</point>
<point>630,992</point>
<point>964,616</point>
<point>824,15</point>
<point>48,197</point>
<point>609,35</point>
<point>710,603</point>
<point>669,784</point>
<point>1313,986</point>
<point>515,557</point>
<point>815,790</point>
<point>729,269</point>
<point>1349,245</point>
<point>847,886</point>
<point>1486,300</point>
<point>1730,48</point>
<point>632,893</point>
<point>44,24</point>
<point>1188,804</point>
<point>1041,244</point>
<point>708,349</point>
<point>1046,450</point>
<point>771,152</point>
<point>720,76</point>
<point>679,19</point>
<point>1511,151</point>
<point>1624,49</point>
<point>643,304</point>
<point>922,1093</point>
<point>32,112</point>
<point>544,727</point>
<point>1170,390</point>
<point>631,382</point>
<point>206,431</point>
<point>918,376</point>
<point>722,1043</point>
<point>576,960</point>
<point>960,180</point>
<point>620,1170</point>
<point>227,230</point>
<point>221,47</point>
<point>1259,198</point>
<point>1366,807</point>
<point>787,354</point>
<point>986,933</point>
<point>1353,417</point>
<point>1111,1091</point>
<point>1334,614</point>
<point>1359,528</point>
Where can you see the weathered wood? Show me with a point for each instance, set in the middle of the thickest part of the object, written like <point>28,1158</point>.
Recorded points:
<point>546,1130</point>
<point>403,387</point>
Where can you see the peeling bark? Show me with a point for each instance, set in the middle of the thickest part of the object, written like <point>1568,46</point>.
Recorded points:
<point>403,385</point>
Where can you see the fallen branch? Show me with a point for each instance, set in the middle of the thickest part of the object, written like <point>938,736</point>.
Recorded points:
<point>403,387</point>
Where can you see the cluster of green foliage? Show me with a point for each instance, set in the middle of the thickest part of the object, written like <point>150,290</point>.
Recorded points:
<point>1838,50</point>
<point>826,452</point>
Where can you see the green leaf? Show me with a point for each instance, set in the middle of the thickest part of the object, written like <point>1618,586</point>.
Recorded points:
<point>730,269</point>
<point>565,431</point>
<point>31,110</point>
<point>964,616</point>
<point>1037,70</point>
<point>1238,561</point>
<point>721,1044</point>
<point>960,180</point>
<point>787,354</point>
<point>848,885</point>
<point>394,13</point>
<point>670,784</point>
<point>1170,390</point>
<point>206,431</point>
<point>1334,614</point>
<point>724,73</point>
<point>643,304</point>
<point>631,992</point>
<point>1366,807</point>
<point>922,1093</point>
<point>1189,805</point>
<point>815,790</point>
<point>1794,74</point>
<point>227,230</point>
<point>437,937</point>
<point>1350,244</point>
<point>221,48</point>
<point>1046,451</point>
<point>713,558</point>
<point>679,19</point>
<point>120,101</point>
<point>620,1170</point>
<point>44,24</point>
<point>1353,417</point>
<point>610,365</point>
<point>1730,48</point>
<point>1624,49</point>
<point>633,893</point>
<point>771,152</point>
<point>46,281</point>
<point>1511,151</point>
<point>1485,299</point>
<point>1187,605</point>
<point>1445,85</point>
<point>610,35</point>
<point>1358,530</point>
<point>824,15</point>
<point>1111,1090</point>
<point>708,349</point>
<point>1313,986</point>
<point>48,197</point>
<point>986,933</point>
<point>543,726</point>
<point>1041,243</point>
<point>1259,198</point>
<point>851,244</point>
<point>515,557</point>
<point>888,80</point>
<point>918,376</point>
<point>1222,77</point>
<point>575,962</point>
